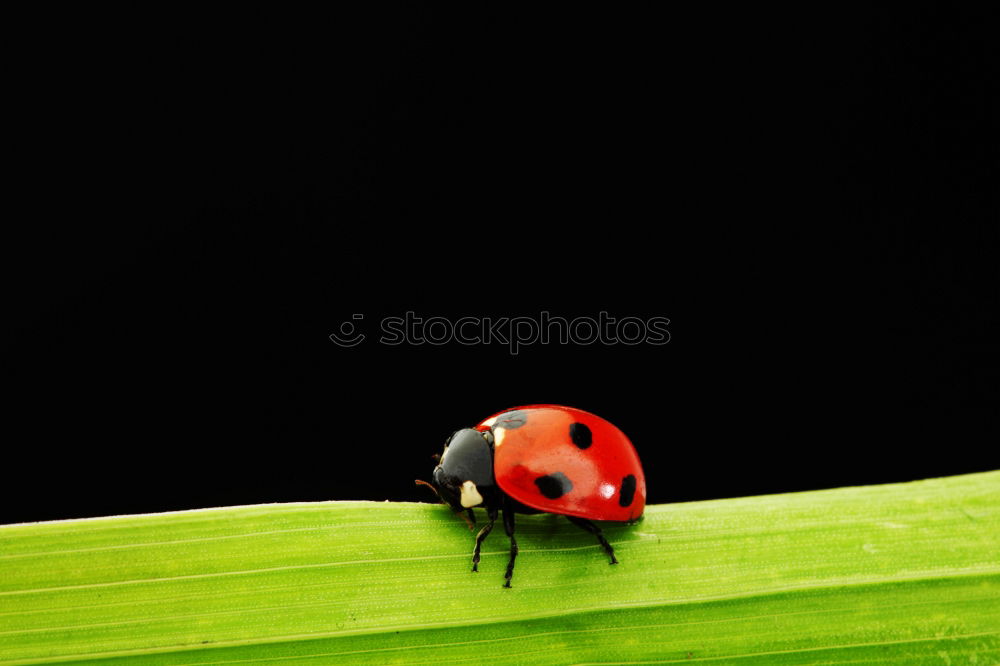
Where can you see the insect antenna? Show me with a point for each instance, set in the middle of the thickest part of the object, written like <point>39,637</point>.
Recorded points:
<point>433,489</point>
<point>468,516</point>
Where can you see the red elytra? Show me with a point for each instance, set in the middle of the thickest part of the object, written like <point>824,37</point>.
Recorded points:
<point>567,461</point>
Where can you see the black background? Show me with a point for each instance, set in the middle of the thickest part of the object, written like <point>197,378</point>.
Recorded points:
<point>198,202</point>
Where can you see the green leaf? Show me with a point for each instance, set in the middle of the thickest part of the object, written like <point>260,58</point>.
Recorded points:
<point>902,573</point>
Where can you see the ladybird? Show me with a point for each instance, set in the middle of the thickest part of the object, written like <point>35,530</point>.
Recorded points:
<point>541,459</point>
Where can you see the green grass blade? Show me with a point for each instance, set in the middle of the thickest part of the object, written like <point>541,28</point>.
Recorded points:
<point>902,573</point>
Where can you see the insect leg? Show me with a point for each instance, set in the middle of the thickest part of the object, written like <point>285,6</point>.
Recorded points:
<point>483,533</point>
<point>596,531</point>
<point>508,526</point>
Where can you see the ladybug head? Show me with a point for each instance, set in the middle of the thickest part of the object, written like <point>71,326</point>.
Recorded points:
<point>464,476</point>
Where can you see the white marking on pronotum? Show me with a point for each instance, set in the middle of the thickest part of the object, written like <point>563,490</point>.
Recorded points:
<point>489,422</point>
<point>470,495</point>
<point>498,436</point>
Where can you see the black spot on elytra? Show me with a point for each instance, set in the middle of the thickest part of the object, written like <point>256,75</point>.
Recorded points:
<point>555,485</point>
<point>511,420</point>
<point>580,435</point>
<point>627,492</point>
